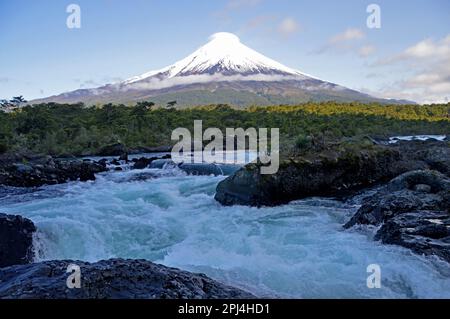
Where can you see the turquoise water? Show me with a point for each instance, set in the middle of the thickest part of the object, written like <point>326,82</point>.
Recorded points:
<point>296,251</point>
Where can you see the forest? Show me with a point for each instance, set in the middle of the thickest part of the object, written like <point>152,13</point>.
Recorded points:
<point>74,129</point>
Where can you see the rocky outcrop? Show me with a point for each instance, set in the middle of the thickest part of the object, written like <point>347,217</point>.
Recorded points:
<point>424,232</point>
<point>117,149</point>
<point>332,172</point>
<point>16,240</point>
<point>328,173</point>
<point>416,190</point>
<point>111,279</point>
<point>430,154</point>
<point>143,162</point>
<point>48,171</point>
<point>413,211</point>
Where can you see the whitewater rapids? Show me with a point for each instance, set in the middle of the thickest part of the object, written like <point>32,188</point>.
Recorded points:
<point>297,250</point>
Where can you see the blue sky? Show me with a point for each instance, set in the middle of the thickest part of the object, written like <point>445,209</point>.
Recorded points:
<point>408,57</point>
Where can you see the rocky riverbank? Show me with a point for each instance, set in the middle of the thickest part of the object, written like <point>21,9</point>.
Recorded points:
<point>412,210</point>
<point>29,170</point>
<point>112,279</point>
<point>338,170</point>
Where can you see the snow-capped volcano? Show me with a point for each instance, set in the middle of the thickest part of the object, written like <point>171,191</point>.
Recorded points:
<point>222,71</point>
<point>225,55</point>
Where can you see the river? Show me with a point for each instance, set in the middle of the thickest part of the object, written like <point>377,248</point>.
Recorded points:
<point>299,250</point>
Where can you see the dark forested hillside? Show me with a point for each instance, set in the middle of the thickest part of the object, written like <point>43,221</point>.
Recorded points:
<point>59,129</point>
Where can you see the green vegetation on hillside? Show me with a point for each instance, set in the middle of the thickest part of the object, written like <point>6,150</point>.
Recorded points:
<point>75,129</point>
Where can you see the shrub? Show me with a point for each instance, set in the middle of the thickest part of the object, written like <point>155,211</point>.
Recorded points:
<point>3,148</point>
<point>303,142</point>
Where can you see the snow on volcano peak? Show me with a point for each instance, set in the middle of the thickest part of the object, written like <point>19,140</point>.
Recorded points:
<point>224,37</point>
<point>223,56</point>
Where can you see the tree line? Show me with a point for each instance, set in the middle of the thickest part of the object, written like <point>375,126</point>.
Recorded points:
<point>74,129</point>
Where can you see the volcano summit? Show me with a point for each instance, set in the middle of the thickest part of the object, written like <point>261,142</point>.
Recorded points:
<point>222,71</point>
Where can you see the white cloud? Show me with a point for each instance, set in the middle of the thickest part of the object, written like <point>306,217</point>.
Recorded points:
<point>343,42</point>
<point>288,26</point>
<point>429,48</point>
<point>348,35</point>
<point>366,50</point>
<point>430,80</point>
<point>157,84</point>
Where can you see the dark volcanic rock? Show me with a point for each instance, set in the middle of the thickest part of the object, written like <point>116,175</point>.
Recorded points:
<point>413,211</point>
<point>114,279</point>
<point>48,171</point>
<point>424,232</point>
<point>401,195</point>
<point>113,150</point>
<point>16,240</point>
<point>433,154</point>
<point>331,172</point>
<point>143,162</point>
<point>123,157</point>
<point>327,173</point>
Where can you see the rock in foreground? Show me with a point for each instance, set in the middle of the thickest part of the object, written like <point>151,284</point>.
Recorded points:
<point>424,232</point>
<point>112,279</point>
<point>16,240</point>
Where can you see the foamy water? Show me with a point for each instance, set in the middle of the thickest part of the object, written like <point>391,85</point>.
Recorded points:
<point>297,251</point>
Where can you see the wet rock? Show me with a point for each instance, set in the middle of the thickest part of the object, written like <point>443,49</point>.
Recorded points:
<point>112,279</point>
<point>48,172</point>
<point>344,167</point>
<point>117,149</point>
<point>401,196</point>
<point>143,162</point>
<point>115,162</point>
<point>424,232</point>
<point>413,211</point>
<point>123,157</point>
<point>422,188</point>
<point>16,240</point>
<point>324,174</point>
<point>435,155</point>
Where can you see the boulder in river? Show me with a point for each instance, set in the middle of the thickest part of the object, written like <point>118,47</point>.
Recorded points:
<point>143,162</point>
<point>325,174</point>
<point>117,149</point>
<point>111,279</point>
<point>338,170</point>
<point>16,240</point>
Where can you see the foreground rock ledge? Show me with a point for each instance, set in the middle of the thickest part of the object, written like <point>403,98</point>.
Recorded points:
<point>112,279</point>
<point>16,240</point>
